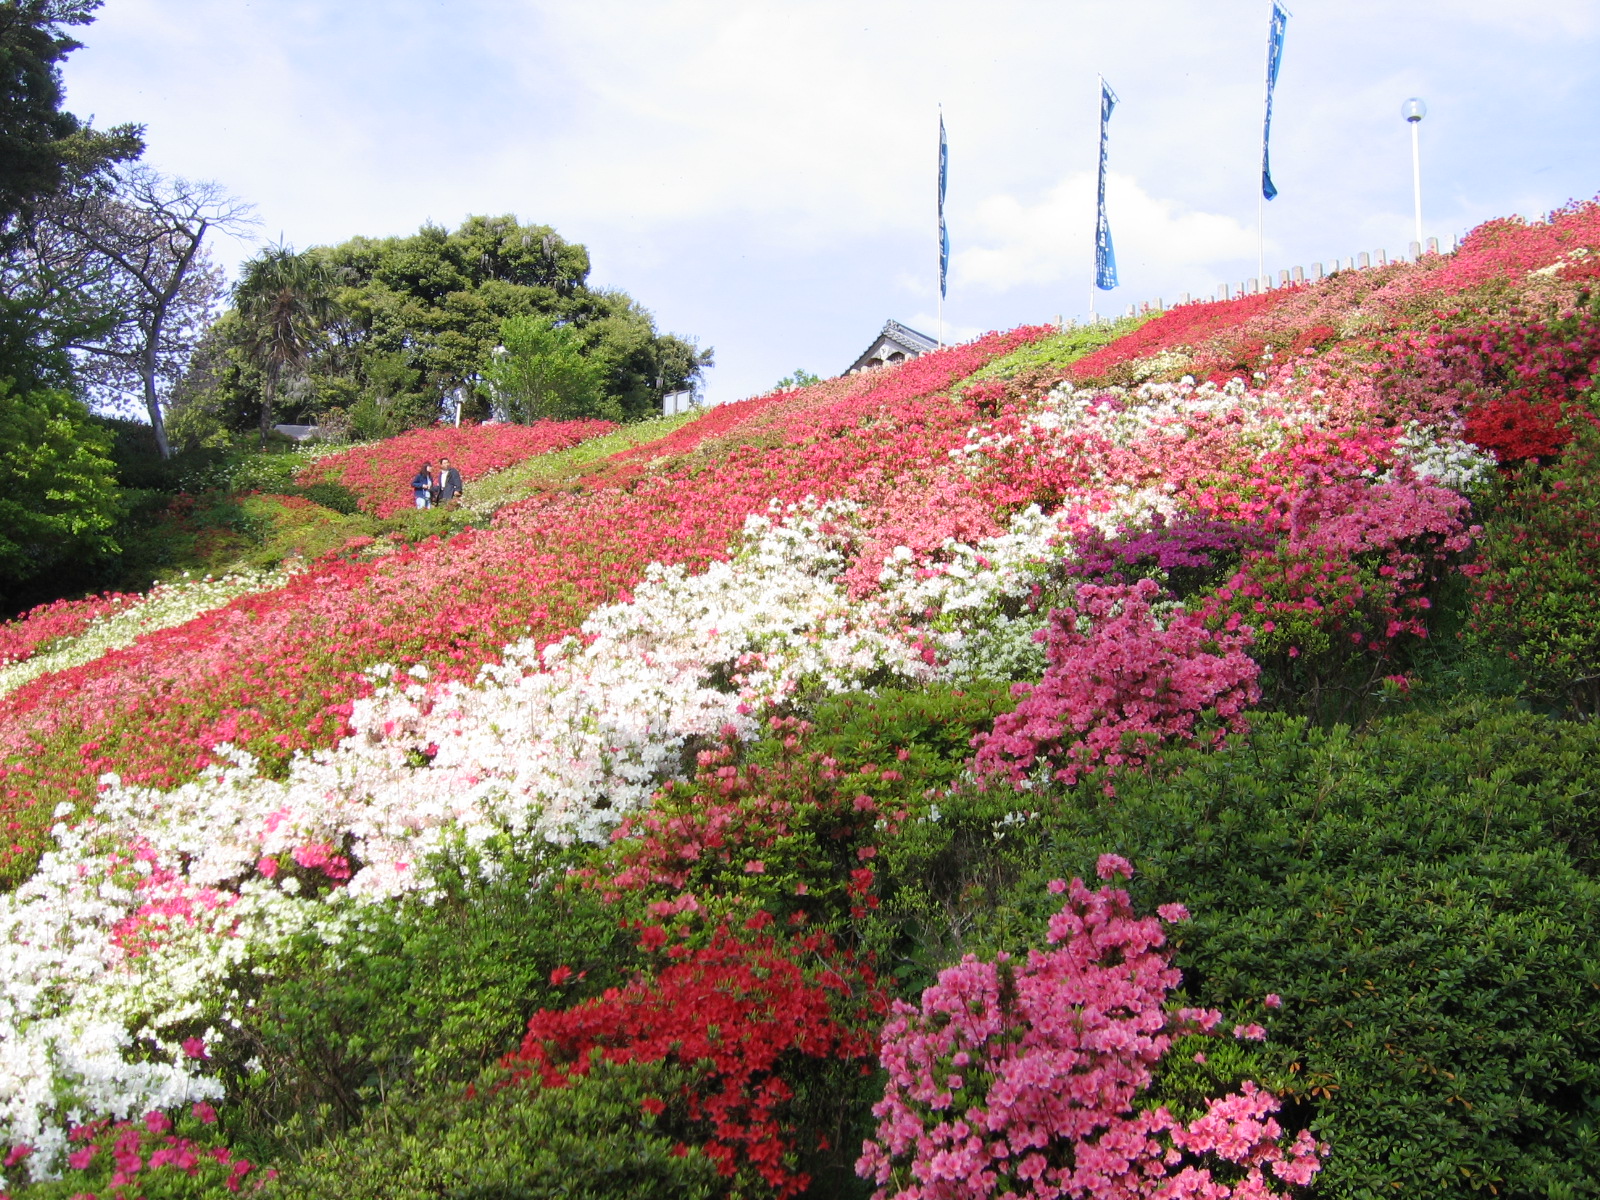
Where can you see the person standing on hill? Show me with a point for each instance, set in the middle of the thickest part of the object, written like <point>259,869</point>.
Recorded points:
<point>448,487</point>
<point>422,486</point>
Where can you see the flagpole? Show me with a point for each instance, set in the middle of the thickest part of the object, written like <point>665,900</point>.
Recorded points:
<point>1266,191</point>
<point>1261,203</point>
<point>1261,234</point>
<point>939,278</point>
<point>1094,281</point>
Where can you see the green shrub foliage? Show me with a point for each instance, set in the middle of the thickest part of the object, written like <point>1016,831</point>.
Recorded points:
<point>1422,895</point>
<point>434,991</point>
<point>595,1139</point>
<point>58,495</point>
<point>1535,593</point>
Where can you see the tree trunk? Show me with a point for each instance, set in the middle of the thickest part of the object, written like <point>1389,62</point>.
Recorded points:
<point>152,402</point>
<point>268,394</point>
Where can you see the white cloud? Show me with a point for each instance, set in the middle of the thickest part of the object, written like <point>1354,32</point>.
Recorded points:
<point>1052,239</point>
<point>1538,19</point>
<point>928,323</point>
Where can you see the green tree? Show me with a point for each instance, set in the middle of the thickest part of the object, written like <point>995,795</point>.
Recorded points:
<point>42,150</point>
<point>539,373</point>
<point>40,145</point>
<point>284,302</point>
<point>801,378</point>
<point>58,494</point>
<point>415,319</point>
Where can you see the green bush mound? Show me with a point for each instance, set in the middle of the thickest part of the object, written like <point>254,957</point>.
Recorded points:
<point>1534,595</point>
<point>592,1140</point>
<point>427,995</point>
<point>1421,894</point>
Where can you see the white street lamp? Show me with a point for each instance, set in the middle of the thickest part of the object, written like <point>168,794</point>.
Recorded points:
<point>1413,110</point>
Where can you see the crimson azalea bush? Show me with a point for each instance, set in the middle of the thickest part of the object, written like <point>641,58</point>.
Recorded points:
<point>1116,690</point>
<point>739,1008</point>
<point>1022,1080</point>
<point>380,473</point>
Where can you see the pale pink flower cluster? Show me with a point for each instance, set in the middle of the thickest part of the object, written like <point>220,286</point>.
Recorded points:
<point>1017,1081</point>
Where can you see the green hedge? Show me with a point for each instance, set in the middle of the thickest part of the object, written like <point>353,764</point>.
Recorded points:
<point>590,1141</point>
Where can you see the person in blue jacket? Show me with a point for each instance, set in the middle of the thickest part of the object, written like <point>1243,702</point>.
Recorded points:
<point>422,486</point>
<point>448,485</point>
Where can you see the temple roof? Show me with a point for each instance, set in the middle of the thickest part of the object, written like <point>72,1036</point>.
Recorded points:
<point>895,337</point>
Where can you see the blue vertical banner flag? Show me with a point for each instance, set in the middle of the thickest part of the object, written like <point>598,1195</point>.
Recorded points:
<point>1105,258</point>
<point>944,236</point>
<point>1275,32</point>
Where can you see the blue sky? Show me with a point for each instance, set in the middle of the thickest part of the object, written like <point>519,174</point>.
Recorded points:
<point>760,174</point>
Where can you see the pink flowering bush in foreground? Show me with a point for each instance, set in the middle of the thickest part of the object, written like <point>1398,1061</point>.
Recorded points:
<point>1017,1081</point>
<point>1114,691</point>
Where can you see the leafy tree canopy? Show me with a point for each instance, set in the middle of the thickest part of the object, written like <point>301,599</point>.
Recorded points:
<point>539,372</point>
<point>59,500</point>
<point>413,323</point>
<point>41,145</point>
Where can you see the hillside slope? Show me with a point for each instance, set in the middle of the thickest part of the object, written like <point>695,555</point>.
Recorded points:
<point>700,760</point>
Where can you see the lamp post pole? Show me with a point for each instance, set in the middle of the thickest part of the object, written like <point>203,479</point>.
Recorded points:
<point>1413,110</point>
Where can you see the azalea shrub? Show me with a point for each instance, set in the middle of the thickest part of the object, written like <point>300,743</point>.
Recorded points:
<point>1335,604</point>
<point>75,642</point>
<point>1024,1079</point>
<point>431,992</point>
<point>1420,893</point>
<point>280,672</point>
<point>740,1006</point>
<point>1187,554</point>
<point>152,1156</point>
<point>615,1133</point>
<point>548,791</point>
<point>1515,380</point>
<point>1115,691</point>
<point>42,626</point>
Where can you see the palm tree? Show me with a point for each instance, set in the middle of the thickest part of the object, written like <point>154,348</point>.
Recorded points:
<point>283,300</point>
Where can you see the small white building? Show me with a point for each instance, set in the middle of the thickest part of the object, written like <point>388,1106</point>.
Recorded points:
<point>895,344</point>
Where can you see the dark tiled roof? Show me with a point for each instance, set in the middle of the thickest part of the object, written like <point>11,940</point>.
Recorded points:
<point>909,340</point>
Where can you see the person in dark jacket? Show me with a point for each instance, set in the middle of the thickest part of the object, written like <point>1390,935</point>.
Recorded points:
<point>448,487</point>
<point>422,486</point>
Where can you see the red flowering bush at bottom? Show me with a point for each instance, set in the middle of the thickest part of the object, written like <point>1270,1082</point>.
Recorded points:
<point>1020,1081</point>
<point>738,1009</point>
<point>1125,685</point>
